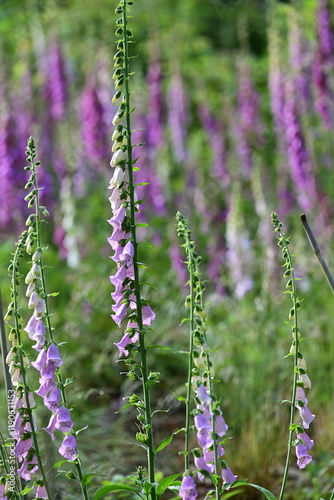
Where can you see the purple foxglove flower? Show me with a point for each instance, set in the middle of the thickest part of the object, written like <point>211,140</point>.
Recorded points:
<point>178,118</point>
<point>47,384</point>
<point>40,308</point>
<point>52,401</point>
<point>201,464</point>
<point>220,425</point>
<point>204,438</point>
<point>306,416</point>
<point>119,314</point>
<point>41,492</point>
<point>119,277</point>
<point>125,341</point>
<point>307,442</point>
<point>114,240</point>
<point>50,429</point>
<point>53,356</point>
<point>188,489</point>
<point>209,456</point>
<point>68,447</point>
<point>64,422</point>
<point>302,455</point>
<point>300,396</point>
<point>127,254</point>
<point>118,217</point>
<point>202,421</point>
<point>22,448</point>
<point>40,361</point>
<point>94,128</point>
<point>228,477</point>
<point>148,315</point>
<point>28,468</point>
<point>202,395</point>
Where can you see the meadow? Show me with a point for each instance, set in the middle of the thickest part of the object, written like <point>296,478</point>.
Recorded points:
<point>164,295</point>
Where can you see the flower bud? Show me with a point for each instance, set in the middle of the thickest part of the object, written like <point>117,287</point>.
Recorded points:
<point>117,157</point>
<point>117,178</point>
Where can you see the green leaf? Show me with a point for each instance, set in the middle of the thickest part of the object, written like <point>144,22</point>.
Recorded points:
<point>165,442</point>
<point>26,490</point>
<point>86,479</point>
<point>114,487</point>
<point>231,494</point>
<point>154,346</point>
<point>61,462</point>
<point>165,483</point>
<point>142,224</point>
<point>266,493</point>
<point>53,294</point>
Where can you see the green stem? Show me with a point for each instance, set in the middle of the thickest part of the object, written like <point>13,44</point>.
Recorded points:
<point>295,378</point>
<point>137,290</point>
<point>17,324</point>
<point>44,295</point>
<point>190,353</point>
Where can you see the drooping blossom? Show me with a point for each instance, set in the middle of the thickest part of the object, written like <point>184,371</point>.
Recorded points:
<point>188,489</point>
<point>68,447</point>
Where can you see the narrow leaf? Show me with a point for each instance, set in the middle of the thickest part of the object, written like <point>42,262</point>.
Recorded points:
<point>266,493</point>
<point>165,483</point>
<point>113,487</point>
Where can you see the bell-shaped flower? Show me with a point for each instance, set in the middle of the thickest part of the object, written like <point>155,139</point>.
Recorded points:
<point>52,401</point>
<point>202,395</point>
<point>50,429</point>
<point>204,438</point>
<point>28,468</point>
<point>303,458</point>
<point>188,489</point>
<point>64,422</point>
<point>306,441</point>
<point>127,254</point>
<point>148,315</point>
<point>41,492</point>
<point>22,447</point>
<point>306,416</point>
<point>228,477</point>
<point>201,464</point>
<point>68,447</point>
<point>53,356</point>
<point>40,360</point>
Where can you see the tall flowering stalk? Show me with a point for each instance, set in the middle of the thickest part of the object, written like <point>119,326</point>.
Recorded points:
<point>127,295</point>
<point>24,429</point>
<point>301,381</point>
<point>209,422</point>
<point>39,329</point>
